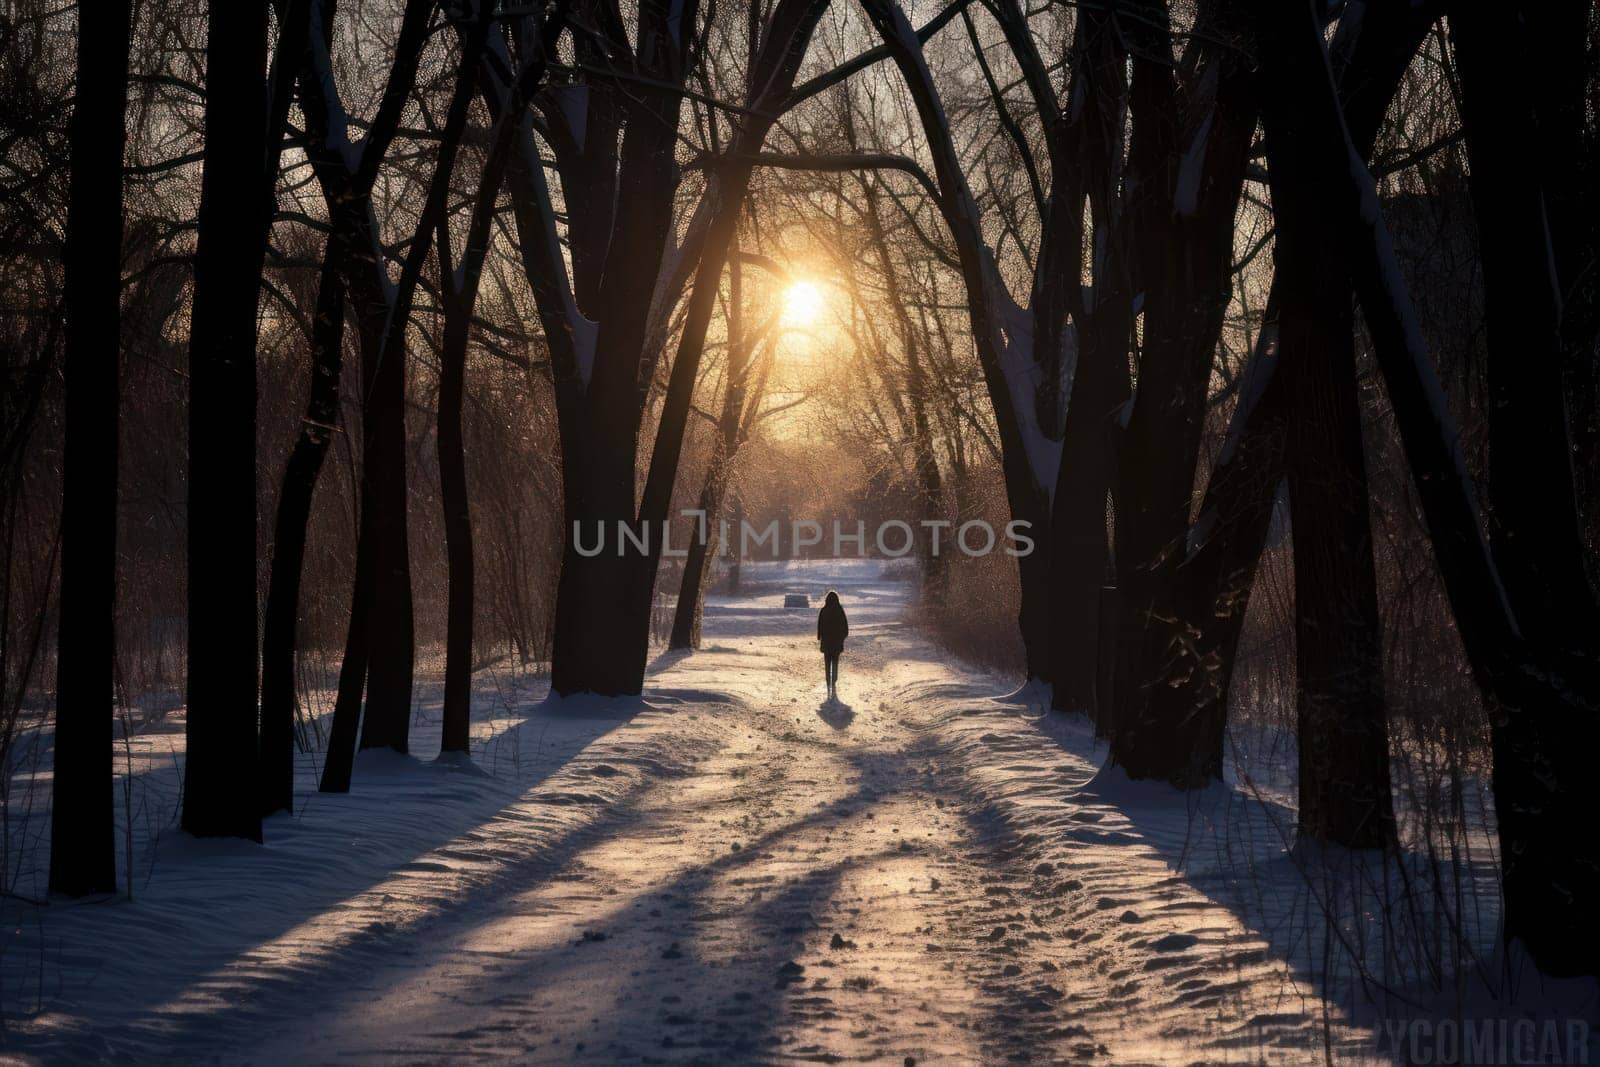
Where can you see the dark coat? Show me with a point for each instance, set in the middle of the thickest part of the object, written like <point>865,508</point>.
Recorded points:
<point>832,626</point>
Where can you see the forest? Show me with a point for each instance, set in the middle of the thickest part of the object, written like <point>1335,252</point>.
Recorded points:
<point>401,396</point>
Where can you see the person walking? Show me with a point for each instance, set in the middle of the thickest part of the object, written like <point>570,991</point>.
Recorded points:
<point>832,629</point>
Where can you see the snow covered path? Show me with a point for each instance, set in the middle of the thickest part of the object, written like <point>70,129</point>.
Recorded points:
<point>732,871</point>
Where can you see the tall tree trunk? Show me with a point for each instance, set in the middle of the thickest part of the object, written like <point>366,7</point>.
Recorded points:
<point>1568,152</point>
<point>993,341</point>
<point>83,811</point>
<point>740,350</point>
<point>623,588</point>
<point>1225,546</point>
<point>1343,724</point>
<point>640,569</point>
<point>390,638</point>
<point>220,798</point>
<point>378,644</point>
<point>1343,729</point>
<point>279,640</point>
<point>1226,542</point>
<point>1080,550</point>
<point>457,735</point>
<point>736,555</point>
<point>696,566</point>
<point>597,645</point>
<point>602,616</point>
<point>460,296</point>
<point>276,770</point>
<point>1182,244</point>
<point>350,726</point>
<point>343,733</point>
<point>1534,524</point>
<point>1537,701</point>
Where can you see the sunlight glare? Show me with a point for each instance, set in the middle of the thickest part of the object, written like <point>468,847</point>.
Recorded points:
<point>802,303</point>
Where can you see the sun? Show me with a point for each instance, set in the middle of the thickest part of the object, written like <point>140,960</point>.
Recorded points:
<point>802,303</point>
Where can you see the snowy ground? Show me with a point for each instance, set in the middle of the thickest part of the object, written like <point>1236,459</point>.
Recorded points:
<point>730,870</point>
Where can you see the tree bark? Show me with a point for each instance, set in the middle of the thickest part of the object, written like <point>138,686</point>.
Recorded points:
<point>1080,549</point>
<point>343,733</point>
<point>596,647</point>
<point>1343,722</point>
<point>1570,173</point>
<point>390,630</point>
<point>460,297</point>
<point>391,633</point>
<point>282,613</point>
<point>220,795</point>
<point>1225,543</point>
<point>992,334</point>
<point>457,532</point>
<point>1181,238</point>
<point>740,348</point>
<point>603,604</point>
<point>1541,705</point>
<point>378,645</point>
<point>279,641</point>
<point>696,565</point>
<point>1343,727</point>
<point>1534,526</point>
<point>83,809</point>
<point>601,637</point>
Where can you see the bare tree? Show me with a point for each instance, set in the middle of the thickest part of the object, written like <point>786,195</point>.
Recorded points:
<point>379,648</point>
<point>282,618</point>
<point>221,797</point>
<point>750,355</point>
<point>603,322</point>
<point>1343,740</point>
<point>1214,578</point>
<point>1534,523</point>
<point>82,826</point>
<point>1539,700</point>
<point>459,281</point>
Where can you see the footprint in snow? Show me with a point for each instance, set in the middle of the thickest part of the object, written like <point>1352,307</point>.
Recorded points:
<point>1175,943</point>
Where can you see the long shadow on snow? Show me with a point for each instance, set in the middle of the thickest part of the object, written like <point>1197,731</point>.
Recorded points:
<point>1090,811</point>
<point>219,937</point>
<point>714,1016</point>
<point>753,995</point>
<point>1312,909</point>
<point>536,970</point>
<point>1235,848</point>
